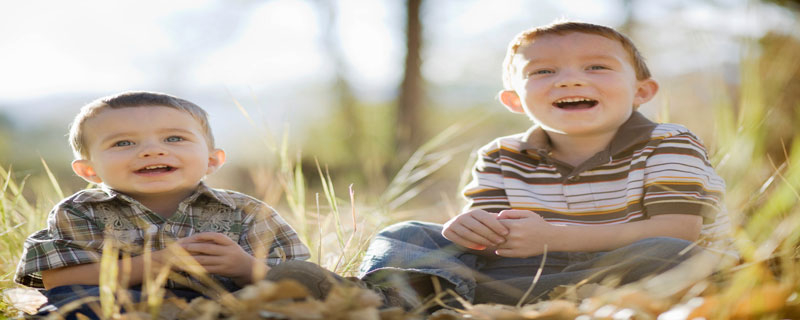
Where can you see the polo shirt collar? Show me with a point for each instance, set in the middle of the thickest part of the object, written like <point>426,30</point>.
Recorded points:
<point>106,194</point>
<point>634,130</point>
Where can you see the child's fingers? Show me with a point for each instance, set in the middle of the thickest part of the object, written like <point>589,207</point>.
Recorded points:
<point>490,221</point>
<point>214,237</point>
<point>204,248</point>
<point>480,229</point>
<point>451,235</point>
<point>470,239</point>
<point>227,265</point>
<point>514,214</point>
<point>208,261</point>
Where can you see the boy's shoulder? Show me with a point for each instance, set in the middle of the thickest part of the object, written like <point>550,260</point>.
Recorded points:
<point>230,197</point>
<point>234,199</point>
<point>514,142</point>
<point>668,130</point>
<point>87,196</point>
<point>671,135</point>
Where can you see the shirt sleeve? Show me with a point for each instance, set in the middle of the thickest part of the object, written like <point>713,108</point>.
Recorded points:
<point>679,179</point>
<point>487,191</point>
<point>267,234</point>
<point>71,238</point>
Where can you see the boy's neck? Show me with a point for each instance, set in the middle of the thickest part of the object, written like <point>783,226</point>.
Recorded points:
<point>576,150</point>
<point>165,205</point>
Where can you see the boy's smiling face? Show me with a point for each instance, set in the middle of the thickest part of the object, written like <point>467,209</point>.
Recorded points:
<point>576,84</point>
<point>147,151</point>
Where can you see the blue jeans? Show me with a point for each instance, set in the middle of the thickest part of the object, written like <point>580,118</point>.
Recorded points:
<point>62,296</point>
<point>417,250</point>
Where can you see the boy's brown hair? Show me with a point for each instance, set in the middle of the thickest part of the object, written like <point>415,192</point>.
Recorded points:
<point>129,100</point>
<point>560,28</point>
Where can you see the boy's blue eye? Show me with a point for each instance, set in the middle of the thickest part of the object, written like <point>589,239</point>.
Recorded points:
<point>540,71</point>
<point>174,139</point>
<point>123,143</point>
<point>597,68</point>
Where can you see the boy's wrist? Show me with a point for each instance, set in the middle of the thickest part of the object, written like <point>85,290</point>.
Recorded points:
<point>245,274</point>
<point>563,238</point>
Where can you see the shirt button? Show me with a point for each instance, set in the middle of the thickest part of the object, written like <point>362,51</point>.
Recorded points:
<point>152,229</point>
<point>574,178</point>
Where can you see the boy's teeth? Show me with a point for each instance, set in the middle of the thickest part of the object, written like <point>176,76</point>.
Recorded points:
<point>155,167</point>
<point>566,100</point>
<point>575,103</point>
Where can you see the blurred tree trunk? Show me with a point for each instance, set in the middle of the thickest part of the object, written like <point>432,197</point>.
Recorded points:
<point>345,101</point>
<point>330,40</point>
<point>409,130</point>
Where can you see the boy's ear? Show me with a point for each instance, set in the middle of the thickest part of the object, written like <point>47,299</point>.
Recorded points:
<point>646,90</point>
<point>511,100</point>
<point>215,160</point>
<point>84,169</point>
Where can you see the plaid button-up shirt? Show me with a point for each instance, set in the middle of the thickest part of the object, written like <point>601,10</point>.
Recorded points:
<point>78,226</point>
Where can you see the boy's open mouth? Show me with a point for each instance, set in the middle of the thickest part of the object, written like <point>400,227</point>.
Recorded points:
<point>575,103</point>
<point>156,169</point>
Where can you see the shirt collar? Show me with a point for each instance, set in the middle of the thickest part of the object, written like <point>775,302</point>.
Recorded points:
<point>634,130</point>
<point>106,194</point>
<point>220,196</point>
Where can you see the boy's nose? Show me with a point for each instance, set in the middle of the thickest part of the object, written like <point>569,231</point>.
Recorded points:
<point>152,150</point>
<point>570,79</point>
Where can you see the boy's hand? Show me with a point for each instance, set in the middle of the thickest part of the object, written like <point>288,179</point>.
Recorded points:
<point>475,229</point>
<point>528,234</point>
<point>220,255</point>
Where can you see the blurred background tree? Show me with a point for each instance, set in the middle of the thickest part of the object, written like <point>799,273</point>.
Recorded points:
<point>409,132</point>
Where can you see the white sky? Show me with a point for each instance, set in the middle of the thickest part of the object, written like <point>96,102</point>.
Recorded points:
<point>56,55</point>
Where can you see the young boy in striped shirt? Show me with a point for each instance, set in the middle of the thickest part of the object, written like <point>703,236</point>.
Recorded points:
<point>608,194</point>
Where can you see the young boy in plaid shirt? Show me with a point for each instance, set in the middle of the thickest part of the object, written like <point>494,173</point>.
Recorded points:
<point>149,153</point>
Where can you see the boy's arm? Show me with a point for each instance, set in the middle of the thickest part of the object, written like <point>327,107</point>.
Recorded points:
<point>89,273</point>
<point>71,238</point>
<point>477,227</point>
<point>529,233</point>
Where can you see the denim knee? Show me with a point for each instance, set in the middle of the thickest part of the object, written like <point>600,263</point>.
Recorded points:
<point>408,230</point>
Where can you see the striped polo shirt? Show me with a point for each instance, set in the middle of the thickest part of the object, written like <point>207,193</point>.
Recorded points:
<point>648,169</point>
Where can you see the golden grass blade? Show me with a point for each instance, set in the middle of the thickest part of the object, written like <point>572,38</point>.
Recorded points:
<point>53,180</point>
<point>535,279</point>
<point>108,278</point>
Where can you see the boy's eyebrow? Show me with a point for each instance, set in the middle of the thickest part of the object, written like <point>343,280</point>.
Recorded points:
<point>177,129</point>
<point>600,56</point>
<point>531,62</point>
<point>114,136</point>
